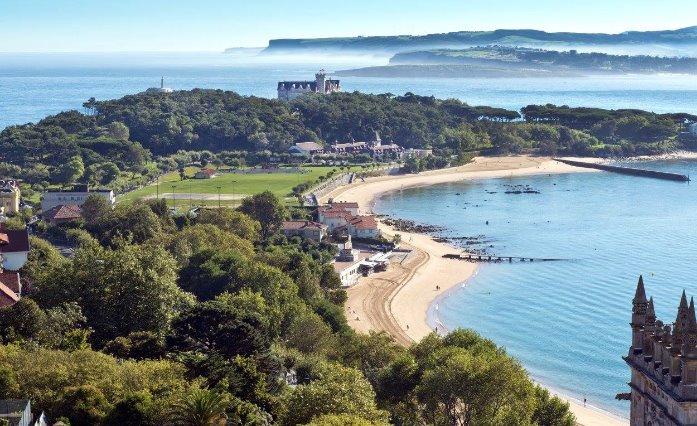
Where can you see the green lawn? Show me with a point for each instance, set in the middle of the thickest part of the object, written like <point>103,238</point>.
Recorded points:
<point>237,185</point>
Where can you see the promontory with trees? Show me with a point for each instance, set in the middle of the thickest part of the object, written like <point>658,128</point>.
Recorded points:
<point>114,142</point>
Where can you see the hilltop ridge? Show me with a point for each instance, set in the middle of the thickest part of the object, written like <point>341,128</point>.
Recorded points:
<point>461,39</point>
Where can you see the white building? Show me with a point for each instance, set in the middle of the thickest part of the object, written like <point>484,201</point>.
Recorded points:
<point>693,129</point>
<point>14,248</point>
<point>411,152</point>
<point>345,217</point>
<point>289,90</point>
<point>161,89</point>
<point>306,148</point>
<point>76,196</point>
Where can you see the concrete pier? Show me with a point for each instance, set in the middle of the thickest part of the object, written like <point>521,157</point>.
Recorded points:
<point>627,170</point>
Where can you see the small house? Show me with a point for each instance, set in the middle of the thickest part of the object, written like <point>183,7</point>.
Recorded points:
<point>14,248</point>
<point>63,213</point>
<point>306,148</point>
<point>304,228</point>
<point>206,173</point>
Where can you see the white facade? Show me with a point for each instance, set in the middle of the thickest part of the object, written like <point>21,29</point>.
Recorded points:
<point>349,276</point>
<point>15,260</point>
<point>52,199</point>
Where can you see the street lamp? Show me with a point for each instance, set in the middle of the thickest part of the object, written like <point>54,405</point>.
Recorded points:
<point>218,197</point>
<point>233,193</point>
<point>174,197</point>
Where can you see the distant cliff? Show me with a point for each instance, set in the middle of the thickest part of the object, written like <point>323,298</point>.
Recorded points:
<point>530,38</point>
<point>501,61</point>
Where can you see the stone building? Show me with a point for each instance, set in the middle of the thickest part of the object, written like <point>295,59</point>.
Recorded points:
<point>663,360</point>
<point>289,90</point>
<point>9,197</point>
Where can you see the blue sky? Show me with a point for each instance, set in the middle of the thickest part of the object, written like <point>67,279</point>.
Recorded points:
<point>212,25</point>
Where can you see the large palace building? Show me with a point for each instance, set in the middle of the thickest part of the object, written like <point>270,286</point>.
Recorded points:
<point>288,90</point>
<point>663,360</point>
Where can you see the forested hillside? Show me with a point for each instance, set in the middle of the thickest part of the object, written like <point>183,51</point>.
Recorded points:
<point>220,320</point>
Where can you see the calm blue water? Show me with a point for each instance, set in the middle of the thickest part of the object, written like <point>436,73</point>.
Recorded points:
<point>567,321</point>
<point>34,85</point>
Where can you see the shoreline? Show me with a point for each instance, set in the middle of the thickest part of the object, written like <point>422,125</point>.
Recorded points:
<point>401,300</point>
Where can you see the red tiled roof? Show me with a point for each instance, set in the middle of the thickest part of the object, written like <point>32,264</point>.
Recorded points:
<point>7,296</point>
<point>64,211</point>
<point>302,224</point>
<point>11,280</point>
<point>363,222</point>
<point>332,214</point>
<point>347,204</point>
<point>208,172</point>
<point>18,241</point>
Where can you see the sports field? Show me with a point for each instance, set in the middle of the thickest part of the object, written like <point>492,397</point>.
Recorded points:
<point>231,186</point>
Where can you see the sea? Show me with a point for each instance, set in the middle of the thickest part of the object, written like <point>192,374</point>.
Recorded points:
<point>567,321</point>
<point>33,85</point>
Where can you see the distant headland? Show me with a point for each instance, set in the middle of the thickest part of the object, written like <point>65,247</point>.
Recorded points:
<point>504,61</point>
<point>659,41</point>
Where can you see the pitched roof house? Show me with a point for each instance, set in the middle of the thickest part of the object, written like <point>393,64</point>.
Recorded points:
<point>63,213</point>
<point>306,148</point>
<point>305,228</point>
<point>344,216</point>
<point>14,248</point>
<point>206,173</point>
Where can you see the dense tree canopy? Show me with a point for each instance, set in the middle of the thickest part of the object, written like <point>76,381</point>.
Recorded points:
<point>114,144</point>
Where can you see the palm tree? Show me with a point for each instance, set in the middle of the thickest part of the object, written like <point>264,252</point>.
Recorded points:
<point>202,407</point>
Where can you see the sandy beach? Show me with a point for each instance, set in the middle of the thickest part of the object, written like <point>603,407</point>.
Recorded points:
<point>397,301</point>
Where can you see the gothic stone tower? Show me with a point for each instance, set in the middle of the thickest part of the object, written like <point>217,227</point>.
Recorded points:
<point>320,80</point>
<point>663,361</point>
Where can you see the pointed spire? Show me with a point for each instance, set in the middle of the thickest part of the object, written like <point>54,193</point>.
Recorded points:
<point>639,304</point>
<point>691,319</point>
<point>640,295</point>
<point>650,313</point>
<point>681,318</point>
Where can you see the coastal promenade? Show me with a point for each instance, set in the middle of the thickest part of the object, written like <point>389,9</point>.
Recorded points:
<point>397,301</point>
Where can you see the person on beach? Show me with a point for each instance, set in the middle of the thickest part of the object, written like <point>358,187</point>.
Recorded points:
<point>584,402</point>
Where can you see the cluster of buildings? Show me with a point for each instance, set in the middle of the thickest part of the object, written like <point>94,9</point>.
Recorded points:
<point>373,148</point>
<point>58,206</point>
<point>663,361</point>
<point>14,252</point>
<point>344,221</point>
<point>161,89</point>
<point>289,90</point>
<point>65,206</point>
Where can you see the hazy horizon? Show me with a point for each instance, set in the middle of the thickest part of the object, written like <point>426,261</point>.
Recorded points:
<point>44,26</point>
